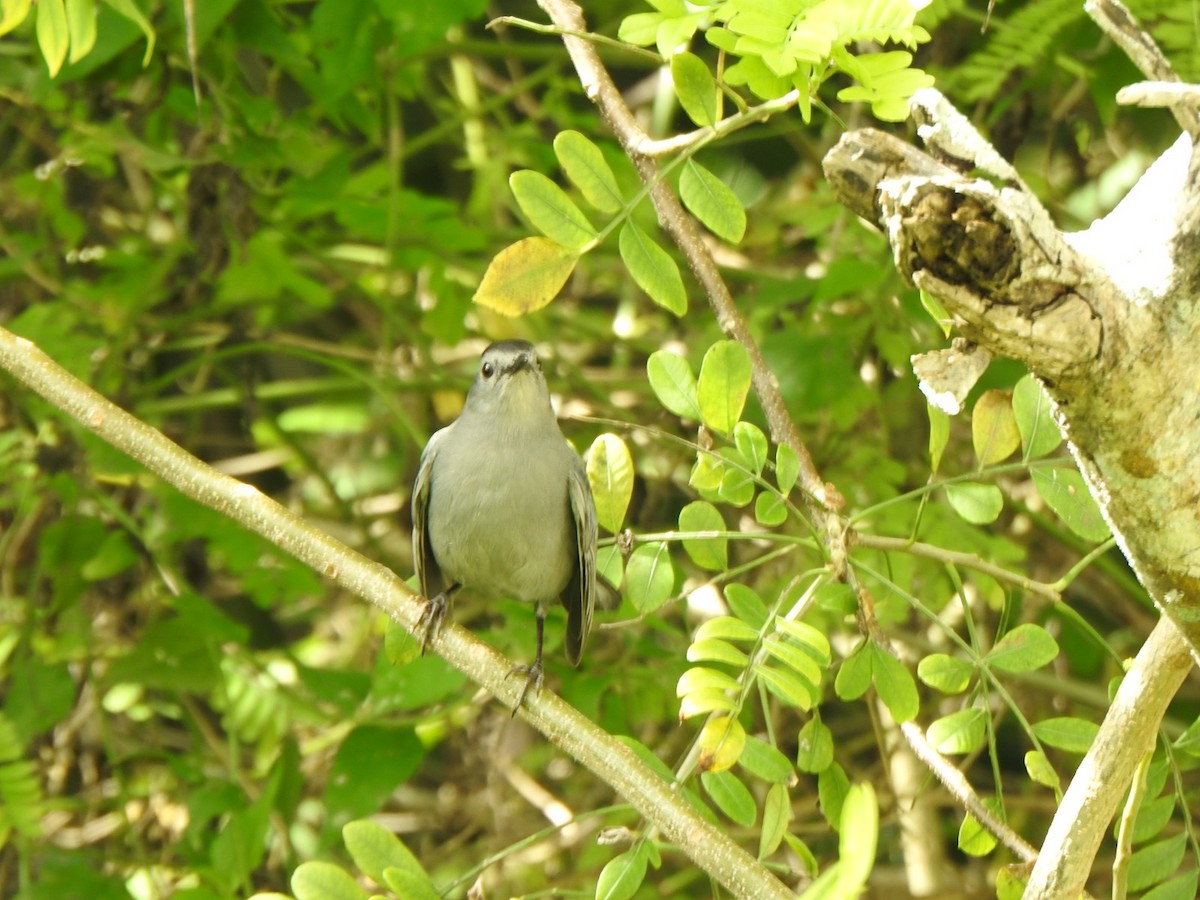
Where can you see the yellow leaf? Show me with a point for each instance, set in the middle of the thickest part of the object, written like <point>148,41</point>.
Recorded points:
<point>526,276</point>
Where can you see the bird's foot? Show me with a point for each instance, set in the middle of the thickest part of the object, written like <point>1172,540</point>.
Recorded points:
<point>431,618</point>
<point>534,675</point>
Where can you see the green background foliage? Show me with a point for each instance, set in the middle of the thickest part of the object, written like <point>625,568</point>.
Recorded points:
<point>272,257</point>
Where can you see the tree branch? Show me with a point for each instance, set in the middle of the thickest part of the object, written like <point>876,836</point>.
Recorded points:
<point>610,760</point>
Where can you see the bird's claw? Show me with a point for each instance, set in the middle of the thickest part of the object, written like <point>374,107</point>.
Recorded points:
<point>431,617</point>
<point>534,675</point>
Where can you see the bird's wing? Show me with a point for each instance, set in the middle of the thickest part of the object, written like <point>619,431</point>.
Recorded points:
<point>429,575</point>
<point>579,598</point>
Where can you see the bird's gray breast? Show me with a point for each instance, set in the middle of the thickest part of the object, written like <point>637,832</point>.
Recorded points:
<point>499,515</point>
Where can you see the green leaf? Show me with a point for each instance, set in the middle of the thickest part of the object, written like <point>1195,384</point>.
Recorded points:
<point>1040,434</point>
<point>979,504</point>
<point>373,849</point>
<point>777,813</point>
<point>770,510</point>
<point>814,747</point>
<point>1152,864</point>
<point>832,787</point>
<point>723,385</point>
<point>712,202</point>
<point>695,87</point>
<point>937,312</point>
<point>973,838</point>
<point>752,444</point>
<point>585,165</point>
<point>1040,769</point>
<point>858,836</point>
<point>325,881</point>
<point>960,732</point>
<point>1024,649</point>
<point>794,659</point>
<point>130,11</point>
<point>701,678</point>
<point>622,875</point>
<point>896,686</point>
<point>409,884</point>
<point>994,430</point>
<point>708,552</point>
<point>673,383</point>
<point>1181,887</point>
<point>811,639</point>
<point>1066,493</point>
<point>947,674</point>
<point>1152,818</point>
<point>731,796</point>
<point>939,435</point>
<point>765,761</point>
<point>525,276</point>
<point>715,650</point>
<point>52,34</point>
<point>649,577</point>
<point>370,763</point>
<point>745,603</point>
<point>1066,733</point>
<point>705,701</point>
<point>788,686</point>
<point>610,474</point>
<point>854,675</point>
<point>726,628</point>
<point>787,467</point>
<point>81,25</point>
<point>652,269</point>
<point>550,210</point>
<point>13,13</point>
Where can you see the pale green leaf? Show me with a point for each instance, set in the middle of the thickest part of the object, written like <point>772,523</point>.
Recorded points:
<point>789,687</point>
<point>652,269</point>
<point>712,202</point>
<point>81,25</point>
<point>1040,769</point>
<point>1152,864</point>
<point>317,880</point>
<point>814,747</point>
<point>622,875</point>
<point>1067,733</point>
<point>1181,887</point>
<point>994,430</point>
<point>723,385</point>
<point>815,643</point>
<point>525,276</point>
<point>550,210</point>
<point>752,444</point>
<point>702,678</point>
<point>129,10</point>
<point>674,384</point>
<point>896,686</point>
<point>731,796</point>
<point>610,474</point>
<point>1024,649</point>
<point>13,13</point>
<point>649,577</point>
<point>787,467</point>
<point>777,812</point>
<point>960,732</point>
<point>1066,493</point>
<point>726,628</point>
<point>745,603</point>
<point>939,435</point>
<point>695,87</point>
<point>765,761</point>
<point>979,504</point>
<point>587,169</point>
<point>974,839</point>
<point>52,35</point>
<point>716,650</point>
<point>947,674</point>
<point>770,510</point>
<point>1040,434</point>
<point>707,552</point>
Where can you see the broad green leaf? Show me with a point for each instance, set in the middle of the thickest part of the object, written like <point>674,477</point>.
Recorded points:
<point>585,165</point>
<point>695,87</point>
<point>1024,649</point>
<point>787,467</point>
<point>369,765</point>
<point>979,504</point>
<point>1066,493</point>
<point>1181,887</point>
<point>673,383</point>
<point>1040,434</point>
<point>939,435</point>
<point>777,812</point>
<point>814,747</point>
<point>765,761</point>
<point>723,385</point>
<point>129,10</point>
<point>13,13</point>
<point>752,444</point>
<point>960,732</point>
<point>1152,864</point>
<point>639,29</point>
<point>994,428</point>
<point>707,473</point>
<point>317,880</point>
<point>374,850</point>
<point>769,509</point>
<point>1067,733</point>
<point>611,564</point>
<point>974,839</point>
<point>858,835</point>
<point>81,25</point>
<point>788,686</point>
<point>409,884</point>
<point>610,474</point>
<point>720,743</point>
<point>1152,818</point>
<point>793,658</point>
<point>702,678</point>
<point>726,628</point>
<point>947,674</point>
<point>525,276</point>
<point>731,796</point>
<point>652,269</point>
<point>832,787</point>
<point>737,481</point>
<point>716,650</point>
<point>649,577</point>
<point>896,686</point>
<point>712,202</point>
<point>811,639</point>
<point>854,675</point>
<point>52,34</point>
<point>703,702</point>
<point>1040,769</point>
<point>745,603</point>
<point>708,552</point>
<point>550,210</point>
<point>622,875</point>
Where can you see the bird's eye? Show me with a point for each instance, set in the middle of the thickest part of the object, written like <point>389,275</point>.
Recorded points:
<point>487,370</point>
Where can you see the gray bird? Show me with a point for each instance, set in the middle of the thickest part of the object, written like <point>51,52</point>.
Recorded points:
<point>502,507</point>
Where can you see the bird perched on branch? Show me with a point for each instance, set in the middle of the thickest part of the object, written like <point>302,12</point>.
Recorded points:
<point>502,506</point>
